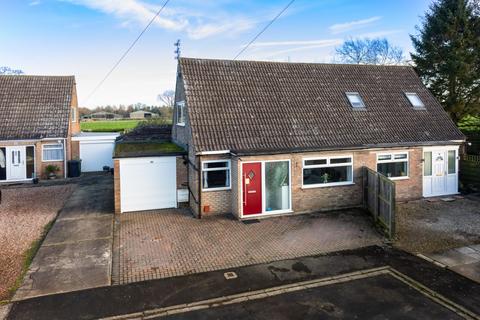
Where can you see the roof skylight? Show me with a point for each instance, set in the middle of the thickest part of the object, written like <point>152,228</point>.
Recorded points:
<point>414,100</point>
<point>355,100</point>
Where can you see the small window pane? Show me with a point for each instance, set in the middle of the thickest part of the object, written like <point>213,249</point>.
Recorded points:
<point>327,175</point>
<point>384,157</point>
<point>30,163</point>
<point>427,163</point>
<point>216,179</point>
<point>355,100</point>
<point>315,162</point>
<point>3,164</point>
<point>451,162</point>
<point>393,169</point>
<point>400,156</point>
<point>415,100</point>
<point>53,152</point>
<point>212,165</point>
<point>340,160</point>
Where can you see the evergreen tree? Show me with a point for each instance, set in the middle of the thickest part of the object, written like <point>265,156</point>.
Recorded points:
<point>447,55</point>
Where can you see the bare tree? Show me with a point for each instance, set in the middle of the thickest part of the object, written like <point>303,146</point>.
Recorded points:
<point>370,51</point>
<point>167,98</point>
<point>10,71</point>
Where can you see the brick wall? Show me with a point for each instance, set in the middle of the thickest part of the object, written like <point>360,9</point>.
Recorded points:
<point>116,184</point>
<point>319,198</point>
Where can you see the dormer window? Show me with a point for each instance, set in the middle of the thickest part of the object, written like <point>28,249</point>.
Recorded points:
<point>414,100</point>
<point>355,100</point>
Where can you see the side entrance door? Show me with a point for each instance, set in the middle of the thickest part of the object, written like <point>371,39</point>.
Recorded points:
<point>16,163</point>
<point>252,188</point>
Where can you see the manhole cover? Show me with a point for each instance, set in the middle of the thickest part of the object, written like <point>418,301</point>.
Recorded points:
<point>230,275</point>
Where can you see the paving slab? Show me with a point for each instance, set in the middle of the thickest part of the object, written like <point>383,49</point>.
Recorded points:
<point>4,309</point>
<point>452,258</point>
<point>470,270</point>
<point>77,252</point>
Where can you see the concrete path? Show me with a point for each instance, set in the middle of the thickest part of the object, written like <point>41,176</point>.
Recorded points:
<point>367,283</point>
<point>77,251</point>
<point>464,260</point>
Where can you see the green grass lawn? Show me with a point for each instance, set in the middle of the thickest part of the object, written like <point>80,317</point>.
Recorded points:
<point>108,125</point>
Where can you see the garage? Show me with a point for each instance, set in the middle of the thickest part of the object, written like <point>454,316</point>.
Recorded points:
<point>96,149</point>
<point>148,183</point>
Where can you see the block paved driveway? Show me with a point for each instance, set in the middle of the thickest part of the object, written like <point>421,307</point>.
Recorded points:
<point>167,243</point>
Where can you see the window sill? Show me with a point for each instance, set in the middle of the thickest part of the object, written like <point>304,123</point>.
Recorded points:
<point>216,189</point>
<point>181,124</point>
<point>327,185</point>
<point>398,178</point>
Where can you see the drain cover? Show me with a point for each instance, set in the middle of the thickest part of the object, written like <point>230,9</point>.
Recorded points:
<point>230,275</point>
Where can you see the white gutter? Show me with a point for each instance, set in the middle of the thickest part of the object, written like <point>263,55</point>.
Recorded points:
<point>207,153</point>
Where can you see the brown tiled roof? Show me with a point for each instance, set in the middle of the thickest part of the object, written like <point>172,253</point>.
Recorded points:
<point>249,106</point>
<point>34,107</point>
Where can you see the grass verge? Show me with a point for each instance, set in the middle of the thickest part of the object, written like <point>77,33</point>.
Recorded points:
<point>28,256</point>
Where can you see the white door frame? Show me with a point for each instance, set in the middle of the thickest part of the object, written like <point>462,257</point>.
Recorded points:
<point>265,213</point>
<point>451,178</point>
<point>16,163</point>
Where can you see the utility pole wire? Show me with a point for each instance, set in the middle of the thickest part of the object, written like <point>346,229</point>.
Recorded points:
<point>126,52</point>
<point>265,28</point>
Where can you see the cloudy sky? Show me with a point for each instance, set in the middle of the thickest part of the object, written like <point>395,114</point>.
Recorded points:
<point>86,37</point>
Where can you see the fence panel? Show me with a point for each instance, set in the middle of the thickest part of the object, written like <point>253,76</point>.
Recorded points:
<point>470,171</point>
<point>379,200</point>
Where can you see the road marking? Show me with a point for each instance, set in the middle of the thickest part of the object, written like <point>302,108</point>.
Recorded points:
<point>298,286</point>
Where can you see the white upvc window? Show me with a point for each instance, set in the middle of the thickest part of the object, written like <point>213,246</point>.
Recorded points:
<point>393,165</point>
<point>415,100</point>
<point>52,152</point>
<point>181,113</point>
<point>327,171</point>
<point>74,114</point>
<point>216,175</point>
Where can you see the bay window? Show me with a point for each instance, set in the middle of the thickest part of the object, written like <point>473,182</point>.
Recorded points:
<point>328,171</point>
<point>216,174</point>
<point>393,165</point>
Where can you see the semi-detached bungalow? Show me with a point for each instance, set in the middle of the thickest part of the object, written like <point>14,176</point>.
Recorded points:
<point>268,138</point>
<point>38,116</point>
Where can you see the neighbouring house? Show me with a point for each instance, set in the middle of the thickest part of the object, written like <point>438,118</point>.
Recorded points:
<point>268,138</point>
<point>38,116</point>
<point>141,114</point>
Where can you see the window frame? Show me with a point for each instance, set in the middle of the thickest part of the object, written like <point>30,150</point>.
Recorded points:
<point>53,144</point>
<point>180,106</point>
<point>228,167</point>
<point>410,94</point>
<point>363,106</point>
<point>74,114</point>
<point>393,160</point>
<point>327,165</point>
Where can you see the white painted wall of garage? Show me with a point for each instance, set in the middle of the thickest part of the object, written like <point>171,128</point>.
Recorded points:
<point>96,154</point>
<point>148,183</point>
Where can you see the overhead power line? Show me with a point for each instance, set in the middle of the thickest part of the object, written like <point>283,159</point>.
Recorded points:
<point>126,52</point>
<point>263,30</point>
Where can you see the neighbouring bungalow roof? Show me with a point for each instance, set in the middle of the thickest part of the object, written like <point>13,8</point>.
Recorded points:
<point>254,106</point>
<point>35,107</point>
<point>147,141</point>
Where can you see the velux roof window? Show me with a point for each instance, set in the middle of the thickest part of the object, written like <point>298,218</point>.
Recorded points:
<point>414,100</point>
<point>355,100</point>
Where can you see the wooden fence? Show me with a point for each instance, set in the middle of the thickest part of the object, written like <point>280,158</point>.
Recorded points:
<point>379,200</point>
<point>470,172</point>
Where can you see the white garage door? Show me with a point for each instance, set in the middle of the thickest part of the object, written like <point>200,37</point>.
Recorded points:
<point>96,154</point>
<point>148,183</point>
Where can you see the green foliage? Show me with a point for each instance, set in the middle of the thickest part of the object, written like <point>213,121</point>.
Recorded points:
<point>470,124</point>
<point>447,55</point>
<point>51,169</point>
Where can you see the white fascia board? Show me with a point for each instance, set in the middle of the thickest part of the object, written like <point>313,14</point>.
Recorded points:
<point>207,153</point>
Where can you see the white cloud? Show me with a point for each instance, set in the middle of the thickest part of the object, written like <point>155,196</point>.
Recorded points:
<point>325,44</point>
<point>379,34</point>
<point>352,25</point>
<point>34,3</point>
<point>322,42</point>
<point>194,23</point>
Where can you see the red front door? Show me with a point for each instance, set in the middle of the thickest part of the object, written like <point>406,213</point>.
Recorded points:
<point>252,188</point>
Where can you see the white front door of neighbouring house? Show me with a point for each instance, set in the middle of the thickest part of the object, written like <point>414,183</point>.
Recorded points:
<point>148,183</point>
<point>16,163</point>
<point>440,171</point>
